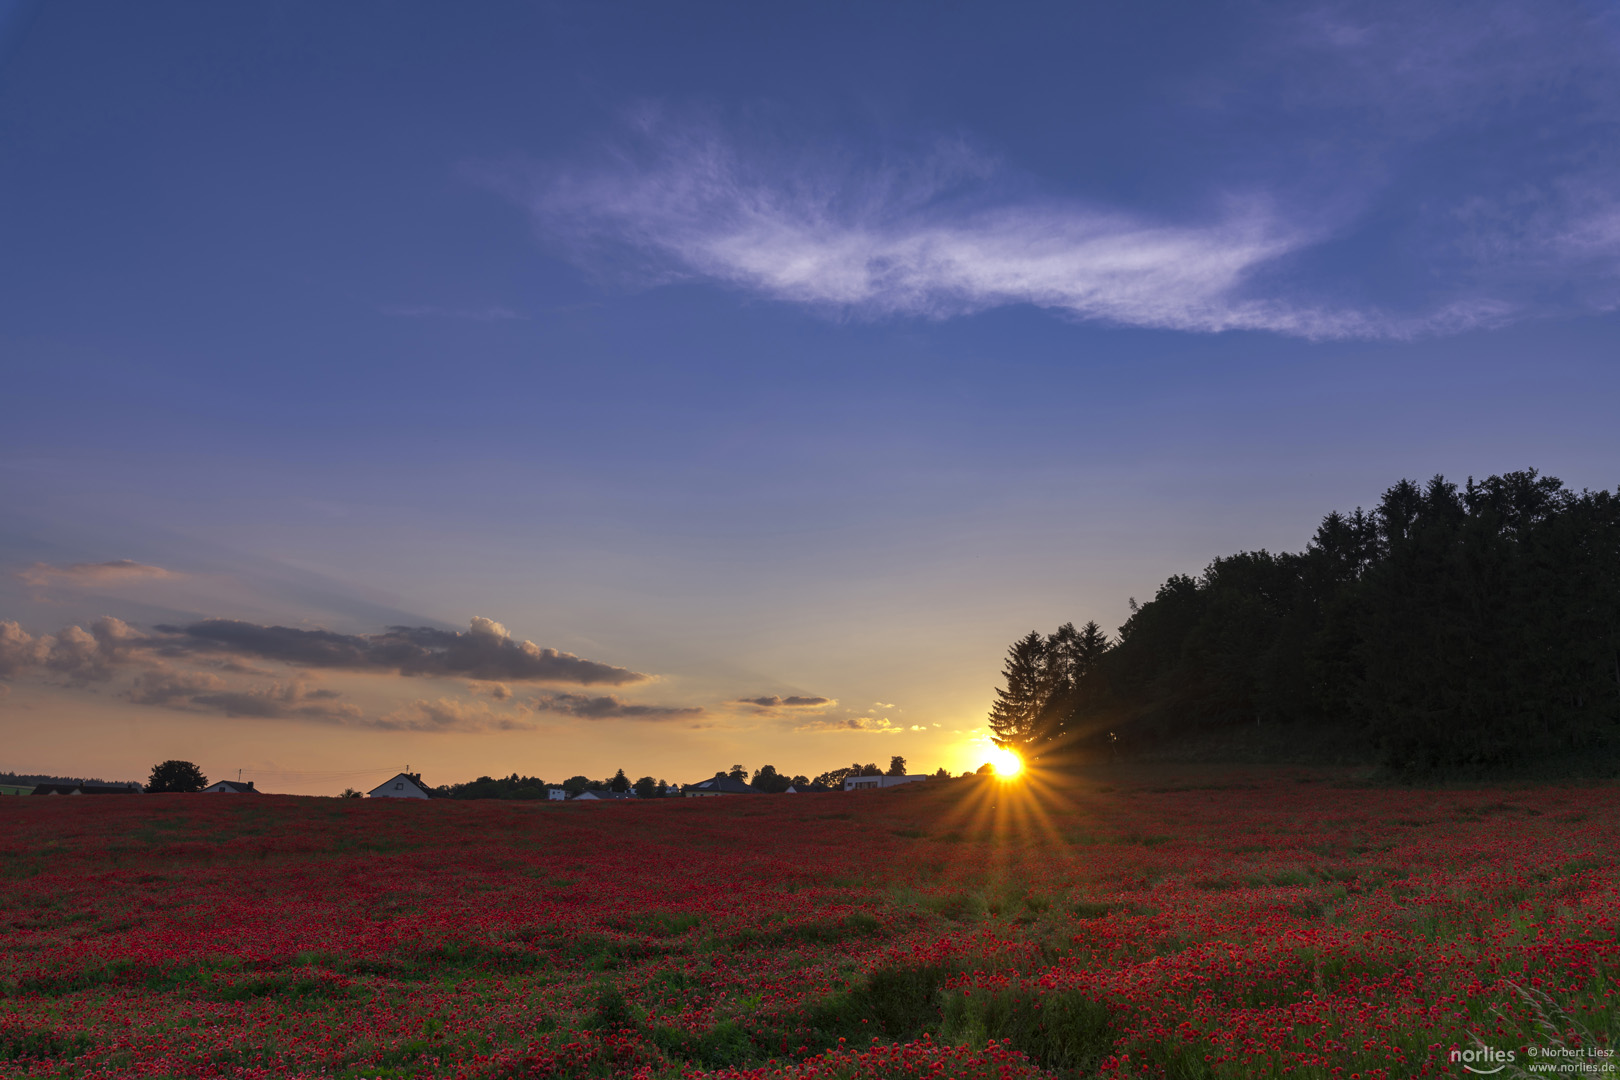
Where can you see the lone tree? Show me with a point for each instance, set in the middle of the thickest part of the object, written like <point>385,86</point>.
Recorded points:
<point>897,766</point>
<point>176,776</point>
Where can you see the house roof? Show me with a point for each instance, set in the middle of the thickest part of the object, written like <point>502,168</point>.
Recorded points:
<point>797,789</point>
<point>86,789</point>
<point>423,788</point>
<point>240,787</point>
<point>606,795</point>
<point>723,784</point>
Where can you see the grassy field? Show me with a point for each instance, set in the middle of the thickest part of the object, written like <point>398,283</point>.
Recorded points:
<point>1184,923</point>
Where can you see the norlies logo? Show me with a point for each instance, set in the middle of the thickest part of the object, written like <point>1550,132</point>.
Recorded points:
<point>1484,1060</point>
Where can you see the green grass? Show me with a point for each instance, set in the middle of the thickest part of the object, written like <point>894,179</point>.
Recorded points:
<point>1060,1029</point>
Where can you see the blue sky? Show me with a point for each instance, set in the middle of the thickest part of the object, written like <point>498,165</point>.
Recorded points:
<point>793,351</point>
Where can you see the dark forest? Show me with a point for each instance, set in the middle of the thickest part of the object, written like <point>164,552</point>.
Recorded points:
<point>1450,628</point>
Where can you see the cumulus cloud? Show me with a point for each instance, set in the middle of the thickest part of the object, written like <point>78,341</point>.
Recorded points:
<point>611,708</point>
<point>486,651</point>
<point>186,668</point>
<point>91,575</point>
<point>497,691</point>
<point>76,654</point>
<point>205,692</point>
<point>790,702</point>
<point>19,650</point>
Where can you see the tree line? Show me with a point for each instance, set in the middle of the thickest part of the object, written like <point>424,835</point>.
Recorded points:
<point>1449,627</point>
<point>185,776</point>
<point>765,779</point>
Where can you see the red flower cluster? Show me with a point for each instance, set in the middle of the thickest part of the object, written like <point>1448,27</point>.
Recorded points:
<point>1240,926</point>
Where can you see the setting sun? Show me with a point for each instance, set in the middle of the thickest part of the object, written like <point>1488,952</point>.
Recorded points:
<point>1006,763</point>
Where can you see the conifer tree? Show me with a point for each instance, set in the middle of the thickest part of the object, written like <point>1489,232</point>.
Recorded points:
<point>1018,704</point>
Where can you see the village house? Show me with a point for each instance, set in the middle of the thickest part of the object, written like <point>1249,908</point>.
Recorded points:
<point>400,786</point>
<point>87,789</point>
<point>721,784</point>
<point>231,787</point>
<point>873,783</point>
<point>594,796</point>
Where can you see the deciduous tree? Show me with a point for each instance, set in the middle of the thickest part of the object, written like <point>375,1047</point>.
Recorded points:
<point>176,776</point>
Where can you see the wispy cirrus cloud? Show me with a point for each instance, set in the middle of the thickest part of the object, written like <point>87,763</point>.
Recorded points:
<point>908,241</point>
<point>873,725</point>
<point>92,575</point>
<point>1469,182</point>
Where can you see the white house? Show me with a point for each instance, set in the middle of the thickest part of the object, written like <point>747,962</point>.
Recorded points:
<point>402,786</point>
<point>873,783</point>
<point>556,794</point>
<point>230,787</point>
<point>605,795</point>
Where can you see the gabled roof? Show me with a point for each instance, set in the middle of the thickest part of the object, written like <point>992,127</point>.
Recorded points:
<point>723,784</point>
<point>384,786</point>
<point>798,789</point>
<point>240,787</point>
<point>606,795</point>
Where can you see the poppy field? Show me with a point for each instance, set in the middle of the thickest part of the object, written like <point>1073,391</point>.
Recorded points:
<point>1137,924</point>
